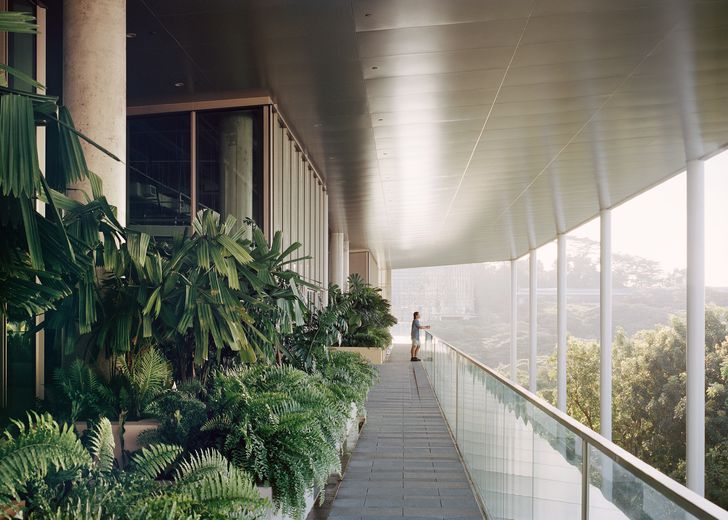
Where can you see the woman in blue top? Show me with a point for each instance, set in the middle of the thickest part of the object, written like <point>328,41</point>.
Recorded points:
<point>415,335</point>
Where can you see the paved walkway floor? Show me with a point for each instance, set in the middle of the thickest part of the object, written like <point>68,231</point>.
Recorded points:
<point>405,464</point>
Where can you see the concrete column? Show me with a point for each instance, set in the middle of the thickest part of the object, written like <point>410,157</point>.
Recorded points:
<point>345,284</point>
<point>336,259</point>
<point>532,319</point>
<point>605,324</point>
<point>514,322</point>
<point>695,362</point>
<point>94,89</point>
<point>561,323</point>
<point>385,282</point>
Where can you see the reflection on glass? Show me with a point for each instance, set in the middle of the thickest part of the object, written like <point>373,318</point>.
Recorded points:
<point>20,369</point>
<point>526,464</point>
<point>159,171</point>
<point>615,492</point>
<point>229,167</point>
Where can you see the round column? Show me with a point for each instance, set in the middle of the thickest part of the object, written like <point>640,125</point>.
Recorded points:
<point>94,90</point>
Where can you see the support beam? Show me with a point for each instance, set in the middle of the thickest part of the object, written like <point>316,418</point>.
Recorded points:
<point>605,324</point>
<point>561,323</point>
<point>336,259</point>
<point>514,322</point>
<point>533,319</point>
<point>94,54</point>
<point>695,362</point>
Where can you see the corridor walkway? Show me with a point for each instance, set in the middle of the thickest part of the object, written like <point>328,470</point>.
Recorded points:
<point>405,464</point>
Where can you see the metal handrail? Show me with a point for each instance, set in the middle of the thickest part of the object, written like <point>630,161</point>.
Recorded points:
<point>685,498</point>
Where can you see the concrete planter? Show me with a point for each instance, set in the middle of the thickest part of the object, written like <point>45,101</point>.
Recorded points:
<point>267,492</point>
<point>132,429</point>
<point>352,430</point>
<point>375,355</point>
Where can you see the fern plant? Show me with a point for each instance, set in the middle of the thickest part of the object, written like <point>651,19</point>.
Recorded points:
<point>45,472</point>
<point>349,376</point>
<point>280,424</point>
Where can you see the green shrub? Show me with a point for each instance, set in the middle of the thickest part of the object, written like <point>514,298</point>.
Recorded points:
<point>280,424</point>
<point>45,472</point>
<point>349,376</point>
<point>368,315</point>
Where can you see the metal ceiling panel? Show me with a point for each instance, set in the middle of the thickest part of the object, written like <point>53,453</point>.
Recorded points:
<point>460,130</point>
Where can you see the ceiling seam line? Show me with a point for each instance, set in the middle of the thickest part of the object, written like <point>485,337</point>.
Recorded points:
<point>385,244</point>
<point>487,117</point>
<point>591,118</point>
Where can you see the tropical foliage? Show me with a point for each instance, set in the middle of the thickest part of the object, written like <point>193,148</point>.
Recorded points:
<point>212,310</point>
<point>368,315</point>
<point>46,472</point>
<point>649,395</point>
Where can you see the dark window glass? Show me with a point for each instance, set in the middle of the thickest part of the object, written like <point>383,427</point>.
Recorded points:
<point>20,369</point>
<point>159,176</point>
<point>229,163</point>
<point>21,49</point>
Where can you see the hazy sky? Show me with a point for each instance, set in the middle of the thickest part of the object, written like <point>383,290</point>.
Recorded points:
<point>653,225</point>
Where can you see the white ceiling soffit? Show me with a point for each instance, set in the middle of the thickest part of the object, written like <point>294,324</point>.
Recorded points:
<point>461,130</point>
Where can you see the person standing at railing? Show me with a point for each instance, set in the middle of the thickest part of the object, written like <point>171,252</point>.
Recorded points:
<point>415,335</point>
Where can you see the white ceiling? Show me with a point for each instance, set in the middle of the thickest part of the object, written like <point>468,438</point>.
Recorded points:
<point>454,131</point>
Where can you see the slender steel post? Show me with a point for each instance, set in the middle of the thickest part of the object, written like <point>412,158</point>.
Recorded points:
<point>584,479</point>
<point>457,397</point>
<point>695,456</point>
<point>605,320</point>
<point>533,319</point>
<point>514,322</point>
<point>561,323</point>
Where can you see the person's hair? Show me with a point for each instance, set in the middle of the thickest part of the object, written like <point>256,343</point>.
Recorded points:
<point>416,313</point>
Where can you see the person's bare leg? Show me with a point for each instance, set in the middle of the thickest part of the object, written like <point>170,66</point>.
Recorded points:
<point>413,351</point>
<point>417,350</point>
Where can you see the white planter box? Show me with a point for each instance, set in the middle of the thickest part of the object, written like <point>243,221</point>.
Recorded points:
<point>267,492</point>
<point>132,429</point>
<point>375,355</point>
<point>352,430</point>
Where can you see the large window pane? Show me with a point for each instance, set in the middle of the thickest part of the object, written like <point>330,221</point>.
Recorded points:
<point>229,163</point>
<point>159,172</point>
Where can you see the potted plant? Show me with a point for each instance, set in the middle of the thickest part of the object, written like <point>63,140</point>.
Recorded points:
<point>126,397</point>
<point>368,320</point>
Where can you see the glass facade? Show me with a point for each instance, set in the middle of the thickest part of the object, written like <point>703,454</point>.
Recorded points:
<point>229,167</point>
<point>299,203</point>
<point>18,348</point>
<point>159,188</point>
<point>228,173</point>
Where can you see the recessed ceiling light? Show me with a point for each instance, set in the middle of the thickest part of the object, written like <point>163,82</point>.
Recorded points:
<point>179,84</point>
<point>331,157</point>
<point>131,35</point>
<point>318,125</point>
<point>380,119</point>
<point>375,67</point>
<point>367,14</point>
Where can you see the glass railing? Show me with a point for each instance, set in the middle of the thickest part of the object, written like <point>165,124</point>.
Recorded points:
<point>527,460</point>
